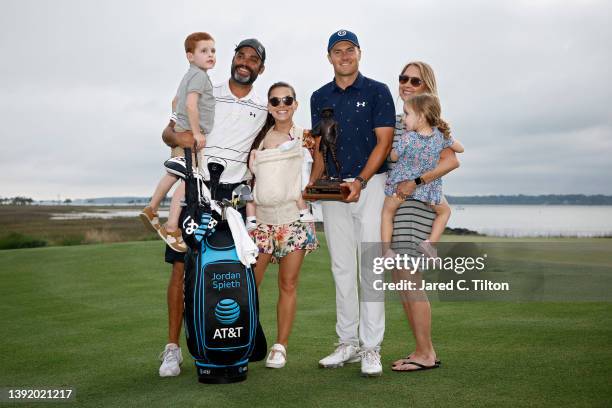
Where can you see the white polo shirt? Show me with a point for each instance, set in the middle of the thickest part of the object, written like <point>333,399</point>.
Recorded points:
<point>237,122</point>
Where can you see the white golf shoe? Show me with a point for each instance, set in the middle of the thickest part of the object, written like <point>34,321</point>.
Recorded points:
<point>171,359</point>
<point>344,353</point>
<point>370,363</point>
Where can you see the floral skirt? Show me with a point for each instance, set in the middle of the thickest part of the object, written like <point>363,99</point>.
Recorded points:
<point>280,240</point>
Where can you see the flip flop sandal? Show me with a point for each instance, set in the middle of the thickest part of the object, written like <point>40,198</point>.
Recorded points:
<point>407,359</point>
<point>421,367</point>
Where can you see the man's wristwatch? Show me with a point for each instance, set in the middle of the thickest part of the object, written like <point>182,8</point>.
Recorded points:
<point>363,182</point>
<point>418,181</point>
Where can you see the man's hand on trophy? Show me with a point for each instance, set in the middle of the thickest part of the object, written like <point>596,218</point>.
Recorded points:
<point>355,191</point>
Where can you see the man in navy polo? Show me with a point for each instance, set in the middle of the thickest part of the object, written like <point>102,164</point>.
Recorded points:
<point>365,114</point>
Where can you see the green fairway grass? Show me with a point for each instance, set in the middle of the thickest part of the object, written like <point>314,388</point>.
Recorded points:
<point>93,317</point>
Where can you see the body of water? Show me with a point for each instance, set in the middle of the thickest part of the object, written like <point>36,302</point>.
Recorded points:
<point>102,213</point>
<point>495,220</point>
<point>534,220</point>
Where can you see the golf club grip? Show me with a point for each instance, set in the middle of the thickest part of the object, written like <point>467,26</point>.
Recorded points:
<point>188,160</point>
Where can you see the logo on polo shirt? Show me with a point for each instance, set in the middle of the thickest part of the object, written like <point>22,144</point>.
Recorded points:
<point>252,114</point>
<point>361,104</point>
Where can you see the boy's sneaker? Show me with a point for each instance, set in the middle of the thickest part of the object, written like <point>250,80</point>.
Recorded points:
<point>171,359</point>
<point>174,239</point>
<point>344,353</point>
<point>370,363</point>
<point>306,216</point>
<point>176,166</point>
<point>427,249</point>
<point>150,219</point>
<point>277,357</point>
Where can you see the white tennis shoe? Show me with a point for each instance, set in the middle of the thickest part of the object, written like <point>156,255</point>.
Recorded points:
<point>277,357</point>
<point>171,359</point>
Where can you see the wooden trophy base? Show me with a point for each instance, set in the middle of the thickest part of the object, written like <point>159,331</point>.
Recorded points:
<point>326,189</point>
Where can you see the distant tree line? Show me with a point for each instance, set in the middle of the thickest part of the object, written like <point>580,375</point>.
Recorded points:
<point>19,200</point>
<point>549,199</point>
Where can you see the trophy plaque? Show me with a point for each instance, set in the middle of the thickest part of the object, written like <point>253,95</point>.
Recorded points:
<point>327,188</point>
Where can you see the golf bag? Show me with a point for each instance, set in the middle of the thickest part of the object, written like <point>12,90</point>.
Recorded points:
<point>221,309</point>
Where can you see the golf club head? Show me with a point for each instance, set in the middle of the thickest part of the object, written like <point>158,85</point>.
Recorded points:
<point>215,166</point>
<point>242,193</point>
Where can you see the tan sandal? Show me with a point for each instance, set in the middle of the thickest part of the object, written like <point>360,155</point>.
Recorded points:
<point>150,219</point>
<point>174,239</point>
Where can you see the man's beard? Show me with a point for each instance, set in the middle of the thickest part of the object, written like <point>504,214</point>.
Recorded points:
<point>243,80</point>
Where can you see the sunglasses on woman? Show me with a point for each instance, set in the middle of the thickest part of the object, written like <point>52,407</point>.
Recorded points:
<point>286,100</point>
<point>414,81</point>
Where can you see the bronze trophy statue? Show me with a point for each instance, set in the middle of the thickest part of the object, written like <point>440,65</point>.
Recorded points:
<point>327,188</point>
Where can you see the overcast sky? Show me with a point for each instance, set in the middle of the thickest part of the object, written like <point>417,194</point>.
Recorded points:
<point>86,85</point>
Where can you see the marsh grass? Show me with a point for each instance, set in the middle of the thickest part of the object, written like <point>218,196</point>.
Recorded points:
<point>35,221</point>
<point>15,240</point>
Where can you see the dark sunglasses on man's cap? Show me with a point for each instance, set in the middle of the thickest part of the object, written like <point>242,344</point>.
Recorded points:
<point>286,100</point>
<point>414,81</point>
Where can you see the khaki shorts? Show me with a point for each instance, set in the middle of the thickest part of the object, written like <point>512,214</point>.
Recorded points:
<point>179,151</point>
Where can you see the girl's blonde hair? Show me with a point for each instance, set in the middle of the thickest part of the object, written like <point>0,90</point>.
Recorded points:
<point>427,75</point>
<point>428,105</point>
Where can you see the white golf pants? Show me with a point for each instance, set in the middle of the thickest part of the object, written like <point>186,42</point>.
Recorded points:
<point>347,225</point>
